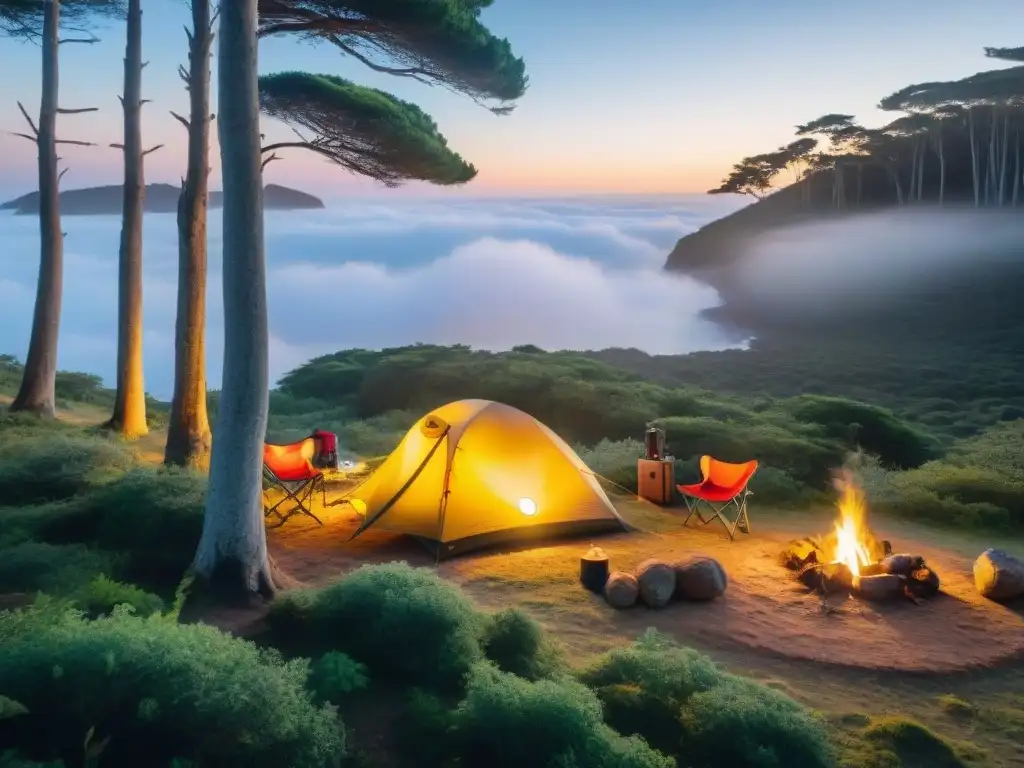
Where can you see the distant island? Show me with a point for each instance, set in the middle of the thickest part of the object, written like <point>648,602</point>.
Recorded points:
<point>160,198</point>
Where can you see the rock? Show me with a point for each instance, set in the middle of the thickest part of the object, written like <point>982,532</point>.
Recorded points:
<point>999,575</point>
<point>700,578</point>
<point>879,587</point>
<point>621,590</point>
<point>901,564</point>
<point>657,582</point>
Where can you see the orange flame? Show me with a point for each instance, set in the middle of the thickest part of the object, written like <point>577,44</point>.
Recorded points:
<point>851,530</point>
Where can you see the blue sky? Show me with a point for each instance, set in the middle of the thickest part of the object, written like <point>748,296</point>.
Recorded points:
<point>645,96</point>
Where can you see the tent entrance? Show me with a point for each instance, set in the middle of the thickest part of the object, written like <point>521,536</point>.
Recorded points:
<point>370,520</point>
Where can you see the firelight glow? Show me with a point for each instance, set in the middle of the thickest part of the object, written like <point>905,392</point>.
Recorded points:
<point>528,507</point>
<point>851,549</point>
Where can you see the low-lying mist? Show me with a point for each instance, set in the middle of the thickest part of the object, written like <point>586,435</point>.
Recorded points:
<point>561,274</point>
<point>874,258</point>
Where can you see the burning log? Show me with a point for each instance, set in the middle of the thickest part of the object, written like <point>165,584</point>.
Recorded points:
<point>830,578</point>
<point>922,583</point>
<point>851,559</point>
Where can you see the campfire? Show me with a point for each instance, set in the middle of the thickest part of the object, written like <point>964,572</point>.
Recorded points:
<point>852,560</point>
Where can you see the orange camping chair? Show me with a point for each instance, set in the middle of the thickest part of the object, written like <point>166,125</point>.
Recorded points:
<point>723,485</point>
<point>289,469</point>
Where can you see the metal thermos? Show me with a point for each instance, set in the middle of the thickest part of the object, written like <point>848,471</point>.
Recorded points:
<point>654,443</point>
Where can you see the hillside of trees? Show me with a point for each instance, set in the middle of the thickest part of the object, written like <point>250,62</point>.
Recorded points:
<point>951,143</point>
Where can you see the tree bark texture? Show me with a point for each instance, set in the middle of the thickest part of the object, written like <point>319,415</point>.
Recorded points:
<point>188,434</point>
<point>129,417</point>
<point>37,391</point>
<point>231,563</point>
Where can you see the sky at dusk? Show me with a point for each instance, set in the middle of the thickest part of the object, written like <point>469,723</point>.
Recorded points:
<point>649,96</point>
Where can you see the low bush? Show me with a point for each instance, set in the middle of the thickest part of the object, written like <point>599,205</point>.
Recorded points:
<point>517,644</point>
<point>506,721</point>
<point>876,430</point>
<point>54,465</point>
<point>978,484</point>
<point>684,705</point>
<point>335,676</point>
<point>100,596</point>
<point>160,690</point>
<point>33,566</point>
<point>404,623</point>
<point>155,517</point>
<point>911,743</point>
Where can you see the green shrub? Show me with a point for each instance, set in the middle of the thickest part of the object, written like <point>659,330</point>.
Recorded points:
<point>55,466</point>
<point>155,517</point>
<point>681,703</point>
<point>335,675</point>
<point>14,760</point>
<point>163,690</point>
<point>508,721</point>
<point>803,455</point>
<point>423,730</point>
<point>404,623</point>
<point>912,743</point>
<point>102,594</point>
<point>517,644</point>
<point>38,567</point>
<point>876,430</point>
<point>614,460</point>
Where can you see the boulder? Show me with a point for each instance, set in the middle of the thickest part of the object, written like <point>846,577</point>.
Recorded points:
<point>999,575</point>
<point>880,586</point>
<point>621,590</point>
<point>657,580</point>
<point>700,578</point>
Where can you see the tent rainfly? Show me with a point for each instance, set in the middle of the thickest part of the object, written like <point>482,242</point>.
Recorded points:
<point>475,473</point>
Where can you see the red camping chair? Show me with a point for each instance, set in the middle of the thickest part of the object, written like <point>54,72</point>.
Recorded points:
<point>722,485</point>
<point>289,469</point>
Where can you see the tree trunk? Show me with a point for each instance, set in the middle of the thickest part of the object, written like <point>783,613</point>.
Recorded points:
<point>974,157</point>
<point>913,168</point>
<point>1004,152</point>
<point>990,168</point>
<point>1016,167</point>
<point>860,182</point>
<point>942,170</point>
<point>37,391</point>
<point>231,563</point>
<point>129,418</point>
<point>920,170</point>
<point>188,433</point>
<point>894,174</point>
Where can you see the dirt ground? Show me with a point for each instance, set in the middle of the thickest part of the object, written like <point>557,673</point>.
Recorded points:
<point>764,609</point>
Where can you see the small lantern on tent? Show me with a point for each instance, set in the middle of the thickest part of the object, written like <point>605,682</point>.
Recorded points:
<point>594,569</point>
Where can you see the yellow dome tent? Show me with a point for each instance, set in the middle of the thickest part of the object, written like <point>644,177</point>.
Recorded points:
<point>475,472</point>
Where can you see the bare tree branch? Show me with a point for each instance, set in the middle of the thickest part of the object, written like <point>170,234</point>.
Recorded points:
<point>145,101</point>
<point>62,111</point>
<point>25,136</point>
<point>28,119</point>
<point>151,150</point>
<point>88,40</point>
<point>116,146</point>
<point>75,143</point>
<point>269,160</point>
<point>180,119</point>
<point>61,176</point>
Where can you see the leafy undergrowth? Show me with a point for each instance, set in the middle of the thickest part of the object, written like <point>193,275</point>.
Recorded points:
<point>149,690</point>
<point>885,742</point>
